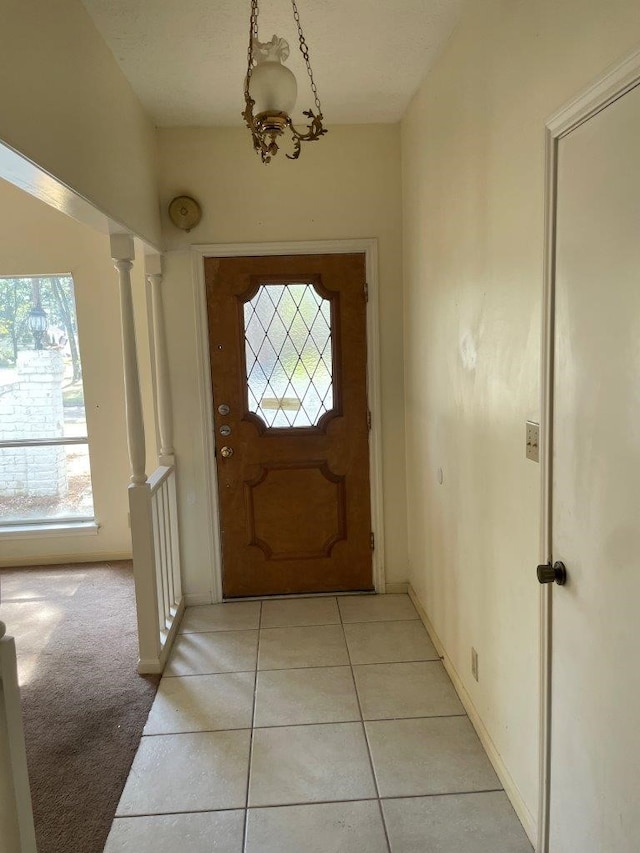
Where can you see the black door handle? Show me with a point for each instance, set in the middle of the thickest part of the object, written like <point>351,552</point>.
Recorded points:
<point>550,573</point>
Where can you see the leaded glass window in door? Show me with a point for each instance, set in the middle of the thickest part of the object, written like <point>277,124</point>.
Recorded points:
<point>289,357</point>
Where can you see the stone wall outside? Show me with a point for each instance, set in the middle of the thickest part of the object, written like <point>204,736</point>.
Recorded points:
<point>32,407</point>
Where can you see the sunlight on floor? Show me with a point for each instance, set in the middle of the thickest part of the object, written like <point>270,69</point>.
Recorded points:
<point>38,622</point>
<point>25,588</point>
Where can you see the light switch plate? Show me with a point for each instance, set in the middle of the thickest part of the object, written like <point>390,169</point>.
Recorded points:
<point>533,441</point>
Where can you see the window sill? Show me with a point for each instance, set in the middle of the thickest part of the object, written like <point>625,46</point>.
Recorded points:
<point>31,531</point>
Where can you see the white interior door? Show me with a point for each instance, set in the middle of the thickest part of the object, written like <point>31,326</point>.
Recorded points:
<point>595,731</point>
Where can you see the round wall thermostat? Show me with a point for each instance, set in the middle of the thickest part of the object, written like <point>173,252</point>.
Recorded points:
<point>184,212</point>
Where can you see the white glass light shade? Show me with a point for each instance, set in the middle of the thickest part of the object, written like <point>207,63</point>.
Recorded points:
<point>273,88</point>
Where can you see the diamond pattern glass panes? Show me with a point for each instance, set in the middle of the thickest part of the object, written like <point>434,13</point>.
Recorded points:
<point>287,330</point>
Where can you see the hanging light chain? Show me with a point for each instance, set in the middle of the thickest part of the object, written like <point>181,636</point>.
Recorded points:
<point>253,33</point>
<point>304,50</point>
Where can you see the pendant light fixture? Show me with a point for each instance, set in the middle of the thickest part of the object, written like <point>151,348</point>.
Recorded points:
<point>270,88</point>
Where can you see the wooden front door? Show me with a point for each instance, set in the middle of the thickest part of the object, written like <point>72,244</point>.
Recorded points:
<point>288,369</point>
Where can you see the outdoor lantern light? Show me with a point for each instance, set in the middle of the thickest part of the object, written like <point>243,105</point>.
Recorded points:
<point>37,323</point>
<point>271,89</point>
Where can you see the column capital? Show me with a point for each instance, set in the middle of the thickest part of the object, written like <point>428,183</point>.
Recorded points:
<point>122,265</point>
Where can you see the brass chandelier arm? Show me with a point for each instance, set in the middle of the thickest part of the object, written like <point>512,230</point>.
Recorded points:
<point>314,131</point>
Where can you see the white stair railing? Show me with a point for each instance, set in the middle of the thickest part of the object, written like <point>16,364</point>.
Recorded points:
<point>156,566</point>
<point>17,834</point>
<point>152,500</point>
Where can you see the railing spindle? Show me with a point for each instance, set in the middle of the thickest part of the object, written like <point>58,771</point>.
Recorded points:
<point>163,554</point>
<point>175,541</point>
<point>157,537</point>
<point>170,549</point>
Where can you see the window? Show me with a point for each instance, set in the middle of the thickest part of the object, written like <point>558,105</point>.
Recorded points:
<point>45,476</point>
<point>288,355</point>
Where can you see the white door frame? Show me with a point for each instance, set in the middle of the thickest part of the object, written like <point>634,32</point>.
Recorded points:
<point>368,247</point>
<point>612,85</point>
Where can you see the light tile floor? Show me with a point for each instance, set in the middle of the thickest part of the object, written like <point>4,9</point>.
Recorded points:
<point>310,725</point>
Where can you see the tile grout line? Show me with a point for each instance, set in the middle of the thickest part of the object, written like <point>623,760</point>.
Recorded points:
<point>304,625</point>
<point>292,668</point>
<point>320,803</point>
<point>304,725</point>
<point>364,732</point>
<point>253,717</point>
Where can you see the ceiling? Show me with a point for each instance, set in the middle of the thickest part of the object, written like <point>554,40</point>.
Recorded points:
<point>186,59</point>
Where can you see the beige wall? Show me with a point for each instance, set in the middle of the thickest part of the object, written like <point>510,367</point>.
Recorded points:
<point>36,239</point>
<point>345,186</point>
<point>67,106</point>
<point>473,183</point>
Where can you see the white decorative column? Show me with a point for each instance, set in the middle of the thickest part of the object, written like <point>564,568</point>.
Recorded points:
<point>123,254</point>
<point>161,360</point>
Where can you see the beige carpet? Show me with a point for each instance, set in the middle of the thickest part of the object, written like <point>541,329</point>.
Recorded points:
<point>84,705</point>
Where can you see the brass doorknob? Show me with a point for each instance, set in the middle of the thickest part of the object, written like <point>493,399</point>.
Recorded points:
<point>550,573</point>
<point>226,452</point>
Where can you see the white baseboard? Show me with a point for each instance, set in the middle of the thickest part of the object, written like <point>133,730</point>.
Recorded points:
<point>511,789</point>
<point>397,588</point>
<point>193,599</point>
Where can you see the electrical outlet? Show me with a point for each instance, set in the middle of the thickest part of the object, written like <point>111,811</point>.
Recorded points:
<point>533,441</point>
<point>474,663</point>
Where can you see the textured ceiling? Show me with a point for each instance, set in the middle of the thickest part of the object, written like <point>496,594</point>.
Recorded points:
<point>186,59</point>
